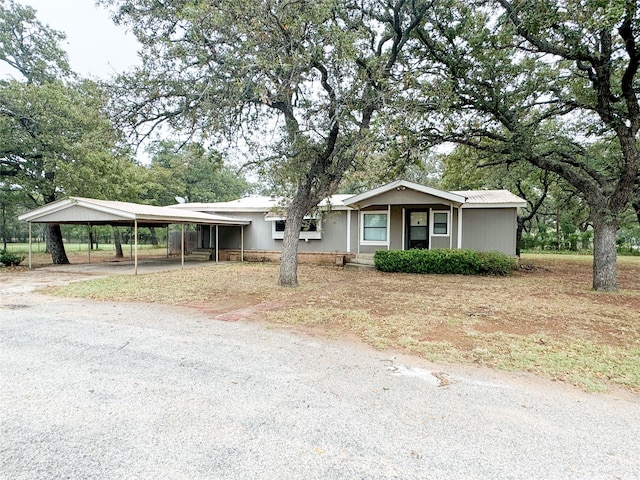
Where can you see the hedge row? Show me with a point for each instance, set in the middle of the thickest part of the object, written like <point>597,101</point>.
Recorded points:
<point>443,261</point>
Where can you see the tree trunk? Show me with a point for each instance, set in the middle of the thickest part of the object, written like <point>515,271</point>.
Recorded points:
<point>289,258</point>
<point>636,208</point>
<point>117,242</point>
<point>604,253</point>
<point>154,236</point>
<point>519,230</point>
<point>55,244</point>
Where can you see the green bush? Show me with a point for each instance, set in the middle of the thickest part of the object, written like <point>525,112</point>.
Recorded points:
<point>9,259</point>
<point>444,261</point>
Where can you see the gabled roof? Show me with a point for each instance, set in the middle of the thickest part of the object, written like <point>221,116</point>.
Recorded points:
<point>81,210</point>
<point>403,185</point>
<point>491,198</point>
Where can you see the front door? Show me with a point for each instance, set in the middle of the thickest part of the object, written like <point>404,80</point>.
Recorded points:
<point>418,229</point>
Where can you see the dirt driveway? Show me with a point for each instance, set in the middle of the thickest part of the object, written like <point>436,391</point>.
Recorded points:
<point>131,390</point>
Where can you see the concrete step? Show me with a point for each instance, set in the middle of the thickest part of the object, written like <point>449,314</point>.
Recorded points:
<point>359,266</point>
<point>199,255</point>
<point>362,261</point>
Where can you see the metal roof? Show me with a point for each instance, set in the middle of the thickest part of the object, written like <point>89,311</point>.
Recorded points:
<point>79,210</point>
<point>491,198</point>
<point>257,204</point>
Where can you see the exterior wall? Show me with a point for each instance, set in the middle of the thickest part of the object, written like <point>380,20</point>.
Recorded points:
<point>259,235</point>
<point>315,258</point>
<point>487,229</point>
<point>482,229</point>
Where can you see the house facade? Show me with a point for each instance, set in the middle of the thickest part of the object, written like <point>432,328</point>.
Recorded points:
<point>400,215</point>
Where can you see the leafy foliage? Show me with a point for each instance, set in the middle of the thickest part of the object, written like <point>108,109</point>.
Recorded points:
<point>444,261</point>
<point>10,259</point>
<point>192,172</point>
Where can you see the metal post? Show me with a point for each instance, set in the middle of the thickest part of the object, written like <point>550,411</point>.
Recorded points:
<point>216,243</point>
<point>388,226</point>
<point>242,243</point>
<point>89,241</point>
<point>167,240</point>
<point>30,249</point>
<point>459,227</point>
<point>348,231</point>
<point>450,226</point>
<point>182,248</point>
<point>135,240</point>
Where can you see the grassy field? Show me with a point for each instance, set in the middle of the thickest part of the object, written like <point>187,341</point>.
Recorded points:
<point>545,319</point>
<point>70,248</point>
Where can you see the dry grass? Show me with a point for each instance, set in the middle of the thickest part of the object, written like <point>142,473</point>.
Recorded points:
<point>546,321</point>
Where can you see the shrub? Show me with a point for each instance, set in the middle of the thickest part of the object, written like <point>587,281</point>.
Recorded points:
<point>9,259</point>
<point>444,261</point>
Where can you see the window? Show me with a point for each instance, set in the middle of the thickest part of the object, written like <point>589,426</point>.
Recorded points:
<point>310,229</point>
<point>374,227</point>
<point>440,223</point>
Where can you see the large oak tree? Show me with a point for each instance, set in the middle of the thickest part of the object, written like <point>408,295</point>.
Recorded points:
<point>56,137</point>
<point>302,81</point>
<point>510,72</point>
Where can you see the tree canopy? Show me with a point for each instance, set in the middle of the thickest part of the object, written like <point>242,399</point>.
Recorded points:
<point>57,139</point>
<point>304,78</point>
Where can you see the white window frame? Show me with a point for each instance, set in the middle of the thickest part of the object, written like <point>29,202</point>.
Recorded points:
<point>374,212</point>
<point>432,223</point>
<point>317,235</point>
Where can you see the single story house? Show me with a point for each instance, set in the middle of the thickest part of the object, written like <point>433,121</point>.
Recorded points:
<point>399,215</point>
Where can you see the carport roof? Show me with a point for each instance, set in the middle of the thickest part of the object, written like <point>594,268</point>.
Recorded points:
<point>79,210</point>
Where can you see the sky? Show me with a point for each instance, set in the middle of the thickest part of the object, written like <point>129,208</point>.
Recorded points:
<point>95,45</point>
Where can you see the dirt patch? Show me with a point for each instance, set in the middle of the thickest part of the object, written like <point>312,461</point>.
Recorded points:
<point>546,313</point>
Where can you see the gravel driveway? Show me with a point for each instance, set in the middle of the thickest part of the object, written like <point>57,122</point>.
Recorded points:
<point>103,390</point>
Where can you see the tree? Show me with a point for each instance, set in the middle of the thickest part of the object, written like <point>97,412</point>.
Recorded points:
<point>511,72</point>
<point>301,82</point>
<point>190,171</point>
<point>57,138</point>
<point>59,143</point>
<point>29,47</point>
<point>466,169</point>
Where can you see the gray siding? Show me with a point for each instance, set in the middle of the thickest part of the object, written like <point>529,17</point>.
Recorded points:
<point>482,229</point>
<point>258,235</point>
<point>489,229</point>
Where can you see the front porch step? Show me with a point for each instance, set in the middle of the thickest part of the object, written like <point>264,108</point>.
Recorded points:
<point>358,266</point>
<point>200,255</point>
<point>362,261</point>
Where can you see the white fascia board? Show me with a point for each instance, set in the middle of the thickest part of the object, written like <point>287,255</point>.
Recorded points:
<point>495,205</point>
<point>404,184</point>
<point>46,210</point>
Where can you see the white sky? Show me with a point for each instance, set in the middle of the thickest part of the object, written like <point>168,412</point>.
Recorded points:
<point>95,45</point>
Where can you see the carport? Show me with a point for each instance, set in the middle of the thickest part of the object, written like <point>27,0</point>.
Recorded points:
<point>90,211</point>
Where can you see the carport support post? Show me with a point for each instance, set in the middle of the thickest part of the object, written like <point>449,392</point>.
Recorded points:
<point>242,243</point>
<point>30,248</point>
<point>135,241</point>
<point>89,241</point>
<point>216,243</point>
<point>182,247</point>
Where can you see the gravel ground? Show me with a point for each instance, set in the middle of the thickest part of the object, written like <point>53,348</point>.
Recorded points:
<point>93,390</point>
